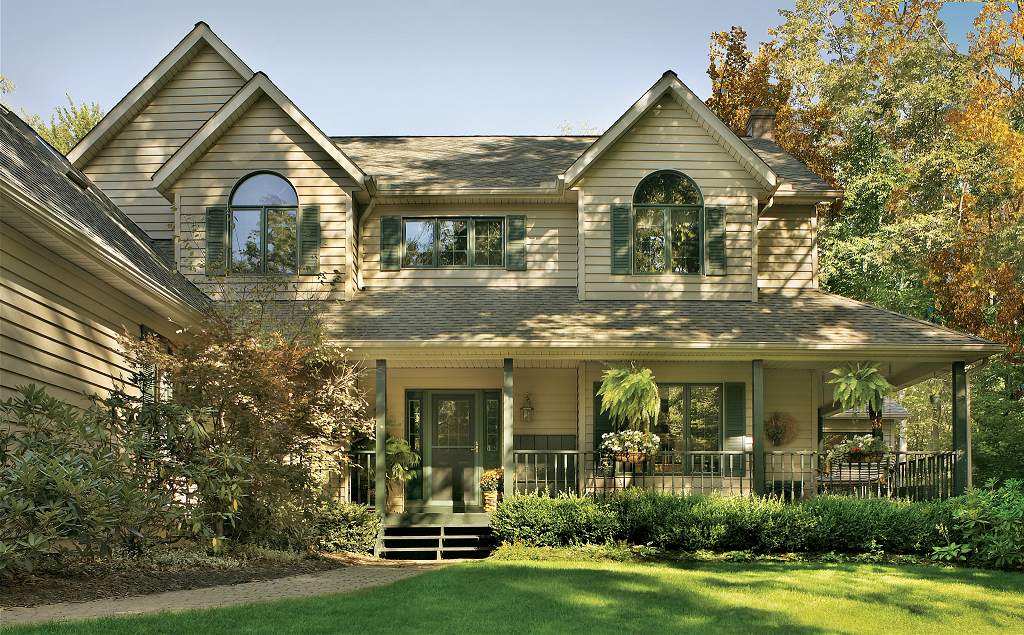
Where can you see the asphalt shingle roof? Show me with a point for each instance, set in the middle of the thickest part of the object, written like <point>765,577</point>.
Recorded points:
<point>464,162</point>
<point>486,315</point>
<point>30,164</point>
<point>792,170</point>
<point>509,161</point>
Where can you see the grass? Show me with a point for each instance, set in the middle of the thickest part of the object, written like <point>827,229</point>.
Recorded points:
<point>613,597</point>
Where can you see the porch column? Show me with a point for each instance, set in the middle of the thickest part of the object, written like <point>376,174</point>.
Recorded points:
<point>380,465</point>
<point>507,421</point>
<point>961,429</point>
<point>757,413</point>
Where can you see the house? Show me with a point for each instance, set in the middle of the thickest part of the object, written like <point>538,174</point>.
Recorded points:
<point>848,423</point>
<point>487,281</point>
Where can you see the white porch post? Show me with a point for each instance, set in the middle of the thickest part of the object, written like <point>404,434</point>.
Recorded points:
<point>961,429</point>
<point>507,420</point>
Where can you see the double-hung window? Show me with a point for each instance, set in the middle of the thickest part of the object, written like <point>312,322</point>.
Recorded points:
<point>453,242</point>
<point>667,225</point>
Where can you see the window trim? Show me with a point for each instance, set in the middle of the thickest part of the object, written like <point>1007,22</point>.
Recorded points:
<point>667,229</point>
<point>230,234</point>
<point>471,222</point>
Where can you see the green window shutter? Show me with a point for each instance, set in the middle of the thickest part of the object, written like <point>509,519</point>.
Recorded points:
<point>309,241</point>
<point>515,246</point>
<point>216,241</point>
<point>390,243</point>
<point>622,228</point>
<point>602,422</point>
<point>735,427</point>
<point>714,227</point>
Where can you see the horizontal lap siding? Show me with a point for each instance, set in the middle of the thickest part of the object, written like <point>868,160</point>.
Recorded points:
<point>552,393</point>
<point>792,392</point>
<point>787,248</point>
<point>275,143</point>
<point>668,137</point>
<point>551,249</point>
<point>123,168</point>
<point>59,325</point>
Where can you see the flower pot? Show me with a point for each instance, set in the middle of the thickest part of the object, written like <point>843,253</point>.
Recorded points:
<point>396,501</point>
<point>631,457</point>
<point>491,502</point>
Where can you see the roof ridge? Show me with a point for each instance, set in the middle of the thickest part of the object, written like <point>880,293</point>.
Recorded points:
<point>465,136</point>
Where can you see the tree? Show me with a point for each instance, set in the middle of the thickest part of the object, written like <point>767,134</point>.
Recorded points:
<point>278,393</point>
<point>68,124</point>
<point>927,142</point>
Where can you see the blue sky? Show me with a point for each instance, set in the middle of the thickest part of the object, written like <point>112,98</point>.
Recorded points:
<point>398,67</point>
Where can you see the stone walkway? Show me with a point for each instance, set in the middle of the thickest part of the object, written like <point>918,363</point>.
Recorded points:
<point>349,578</point>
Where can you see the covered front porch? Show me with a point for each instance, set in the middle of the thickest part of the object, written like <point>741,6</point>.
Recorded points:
<point>539,419</point>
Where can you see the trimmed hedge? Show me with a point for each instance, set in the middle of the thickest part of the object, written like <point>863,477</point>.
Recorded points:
<point>716,523</point>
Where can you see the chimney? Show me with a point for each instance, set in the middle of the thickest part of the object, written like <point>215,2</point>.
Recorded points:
<point>761,124</point>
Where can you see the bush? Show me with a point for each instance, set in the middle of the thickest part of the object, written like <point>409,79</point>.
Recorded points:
<point>540,521</point>
<point>721,524</point>
<point>346,527</point>
<point>989,524</point>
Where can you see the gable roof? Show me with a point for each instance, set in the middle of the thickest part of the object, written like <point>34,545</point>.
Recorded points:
<point>669,84</point>
<point>207,135</point>
<point>34,176</point>
<point>466,162</point>
<point>137,98</point>
<point>556,318</point>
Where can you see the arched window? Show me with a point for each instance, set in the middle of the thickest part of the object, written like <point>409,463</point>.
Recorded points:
<point>668,209</point>
<point>263,212</point>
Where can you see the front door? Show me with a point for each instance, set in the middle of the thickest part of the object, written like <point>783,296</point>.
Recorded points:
<point>454,450</point>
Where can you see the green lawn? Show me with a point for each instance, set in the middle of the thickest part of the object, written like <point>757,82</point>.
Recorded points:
<point>606,597</point>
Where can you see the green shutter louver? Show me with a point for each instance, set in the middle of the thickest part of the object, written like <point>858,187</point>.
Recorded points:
<point>622,228</point>
<point>515,245</point>
<point>714,227</point>
<point>602,420</point>
<point>735,428</point>
<point>390,243</point>
<point>216,241</point>
<point>309,241</point>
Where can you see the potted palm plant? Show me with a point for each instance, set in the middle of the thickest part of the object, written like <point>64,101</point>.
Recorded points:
<point>401,463</point>
<point>862,387</point>
<point>629,394</point>
<point>490,482</point>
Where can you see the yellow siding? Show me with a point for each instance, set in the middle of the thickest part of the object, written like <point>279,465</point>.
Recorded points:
<point>552,393</point>
<point>59,325</point>
<point>124,166</point>
<point>791,391</point>
<point>551,248</point>
<point>787,246</point>
<point>667,137</point>
<point>265,138</point>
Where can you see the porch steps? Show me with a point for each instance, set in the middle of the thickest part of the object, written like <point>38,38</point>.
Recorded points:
<point>436,542</point>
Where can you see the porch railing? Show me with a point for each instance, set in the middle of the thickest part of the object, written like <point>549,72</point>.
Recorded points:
<point>361,488</point>
<point>790,475</point>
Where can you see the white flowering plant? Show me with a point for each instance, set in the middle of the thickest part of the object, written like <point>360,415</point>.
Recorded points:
<point>630,442</point>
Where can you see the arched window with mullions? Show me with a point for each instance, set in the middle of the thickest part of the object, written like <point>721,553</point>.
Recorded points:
<point>668,219</point>
<point>263,216</point>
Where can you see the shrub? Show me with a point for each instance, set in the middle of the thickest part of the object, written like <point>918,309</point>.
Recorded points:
<point>106,479</point>
<point>720,524</point>
<point>540,521</point>
<point>346,527</point>
<point>990,523</point>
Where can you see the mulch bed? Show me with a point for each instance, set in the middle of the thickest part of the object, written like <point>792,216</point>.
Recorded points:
<point>100,580</point>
